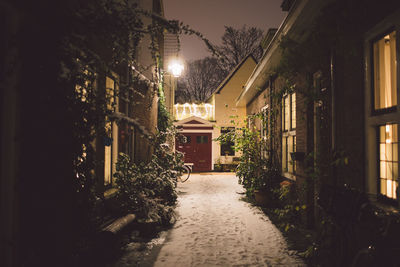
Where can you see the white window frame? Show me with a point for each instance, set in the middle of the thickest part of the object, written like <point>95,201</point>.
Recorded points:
<point>374,119</point>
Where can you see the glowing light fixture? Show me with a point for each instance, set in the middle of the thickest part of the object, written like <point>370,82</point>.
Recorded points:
<point>204,111</point>
<point>175,67</point>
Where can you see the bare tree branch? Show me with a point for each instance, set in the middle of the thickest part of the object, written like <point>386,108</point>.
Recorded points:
<point>237,44</point>
<point>201,78</point>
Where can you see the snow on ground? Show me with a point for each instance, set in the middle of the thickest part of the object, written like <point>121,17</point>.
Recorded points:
<point>216,228</point>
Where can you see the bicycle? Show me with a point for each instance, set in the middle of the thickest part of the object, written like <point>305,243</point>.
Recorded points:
<point>187,170</point>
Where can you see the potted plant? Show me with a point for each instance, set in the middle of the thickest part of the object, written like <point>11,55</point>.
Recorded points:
<point>264,184</point>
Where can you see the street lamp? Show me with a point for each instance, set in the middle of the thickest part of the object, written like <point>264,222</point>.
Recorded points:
<point>175,67</point>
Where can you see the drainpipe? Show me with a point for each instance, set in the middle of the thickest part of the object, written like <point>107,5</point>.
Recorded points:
<point>272,128</point>
<point>333,110</point>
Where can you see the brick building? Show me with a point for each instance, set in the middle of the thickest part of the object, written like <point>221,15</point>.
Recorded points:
<point>45,117</point>
<point>329,75</point>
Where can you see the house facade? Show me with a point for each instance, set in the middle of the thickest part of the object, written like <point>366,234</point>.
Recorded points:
<point>46,189</point>
<point>205,122</point>
<point>330,83</point>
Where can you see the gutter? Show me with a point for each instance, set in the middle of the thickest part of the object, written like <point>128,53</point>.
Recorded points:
<point>333,110</point>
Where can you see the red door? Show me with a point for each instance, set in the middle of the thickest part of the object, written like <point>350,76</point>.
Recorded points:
<point>197,150</point>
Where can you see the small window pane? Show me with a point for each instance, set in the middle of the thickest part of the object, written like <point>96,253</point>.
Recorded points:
<point>293,109</point>
<point>383,186</point>
<point>389,170</point>
<point>389,189</point>
<point>382,135</point>
<point>284,154</point>
<point>286,113</point>
<point>383,169</point>
<point>388,154</point>
<point>290,150</point>
<point>202,139</point>
<point>382,151</point>
<point>395,171</point>
<point>110,94</point>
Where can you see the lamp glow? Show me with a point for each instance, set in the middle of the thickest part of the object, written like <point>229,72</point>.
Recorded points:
<point>176,68</point>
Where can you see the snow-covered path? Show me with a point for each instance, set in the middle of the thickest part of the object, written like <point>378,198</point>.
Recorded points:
<point>215,228</point>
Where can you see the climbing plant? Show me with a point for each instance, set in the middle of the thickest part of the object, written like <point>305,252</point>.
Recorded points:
<point>100,38</point>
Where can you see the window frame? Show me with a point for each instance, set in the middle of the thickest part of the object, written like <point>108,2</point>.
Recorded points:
<point>376,118</point>
<point>288,133</point>
<point>381,196</point>
<point>113,102</point>
<point>383,33</point>
<point>265,129</point>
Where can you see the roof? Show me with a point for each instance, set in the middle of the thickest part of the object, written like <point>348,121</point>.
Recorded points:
<point>230,75</point>
<point>301,15</point>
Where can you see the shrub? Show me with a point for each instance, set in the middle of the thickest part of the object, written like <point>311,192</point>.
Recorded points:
<point>148,190</point>
<point>289,208</point>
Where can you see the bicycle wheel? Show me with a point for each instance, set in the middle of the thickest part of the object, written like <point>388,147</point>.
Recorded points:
<point>187,174</point>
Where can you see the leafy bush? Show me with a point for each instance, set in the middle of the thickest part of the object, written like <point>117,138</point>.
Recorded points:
<point>256,169</point>
<point>148,190</point>
<point>289,208</point>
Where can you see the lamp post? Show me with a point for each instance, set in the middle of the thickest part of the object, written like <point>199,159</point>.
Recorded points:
<point>175,69</point>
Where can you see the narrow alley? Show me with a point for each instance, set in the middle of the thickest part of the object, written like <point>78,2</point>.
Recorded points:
<point>215,228</point>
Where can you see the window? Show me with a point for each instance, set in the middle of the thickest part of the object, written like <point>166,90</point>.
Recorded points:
<point>382,113</point>
<point>288,147</point>
<point>202,139</point>
<point>265,122</point>
<point>288,132</point>
<point>384,72</point>
<point>227,147</point>
<point>388,160</point>
<point>265,128</point>
<point>111,133</point>
<point>111,94</point>
<point>186,139</point>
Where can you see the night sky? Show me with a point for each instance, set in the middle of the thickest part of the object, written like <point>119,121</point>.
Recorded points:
<point>210,16</point>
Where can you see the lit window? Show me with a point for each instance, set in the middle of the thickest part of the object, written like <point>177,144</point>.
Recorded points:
<point>111,133</point>
<point>286,113</point>
<point>384,64</point>
<point>288,147</point>
<point>288,132</point>
<point>111,94</point>
<point>388,159</point>
<point>265,128</point>
<point>293,111</point>
<point>265,122</point>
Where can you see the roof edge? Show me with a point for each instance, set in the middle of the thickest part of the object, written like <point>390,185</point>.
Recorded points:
<point>230,75</point>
